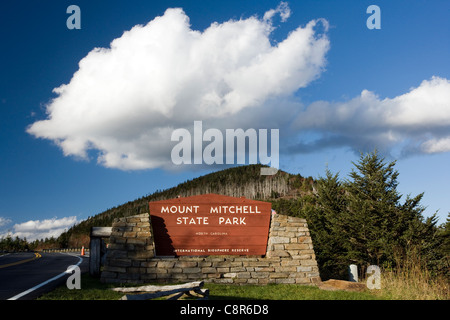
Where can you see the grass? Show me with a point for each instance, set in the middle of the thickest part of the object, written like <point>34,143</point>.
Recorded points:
<point>413,283</point>
<point>409,281</point>
<point>282,292</point>
<point>401,286</point>
<point>93,289</point>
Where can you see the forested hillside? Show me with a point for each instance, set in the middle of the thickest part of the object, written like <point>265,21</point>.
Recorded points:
<point>236,182</point>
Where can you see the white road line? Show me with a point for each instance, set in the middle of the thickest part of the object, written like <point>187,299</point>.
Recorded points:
<point>44,283</point>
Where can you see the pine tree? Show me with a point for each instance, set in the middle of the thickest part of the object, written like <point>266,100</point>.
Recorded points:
<point>362,221</point>
<point>373,213</point>
<point>446,237</point>
<point>379,228</point>
<point>442,261</point>
<point>324,224</point>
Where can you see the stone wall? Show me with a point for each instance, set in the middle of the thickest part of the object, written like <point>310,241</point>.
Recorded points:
<point>290,257</point>
<point>130,246</point>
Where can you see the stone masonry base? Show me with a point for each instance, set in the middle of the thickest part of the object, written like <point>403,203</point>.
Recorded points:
<point>290,257</point>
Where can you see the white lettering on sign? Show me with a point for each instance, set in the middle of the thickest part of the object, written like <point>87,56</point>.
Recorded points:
<point>240,220</point>
<point>217,209</point>
<point>235,209</point>
<point>179,209</point>
<point>189,220</point>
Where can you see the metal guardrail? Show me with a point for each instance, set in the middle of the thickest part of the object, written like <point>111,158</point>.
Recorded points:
<point>66,250</point>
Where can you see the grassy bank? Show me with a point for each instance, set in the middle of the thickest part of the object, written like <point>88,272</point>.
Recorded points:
<point>401,284</point>
<point>413,283</point>
<point>93,289</point>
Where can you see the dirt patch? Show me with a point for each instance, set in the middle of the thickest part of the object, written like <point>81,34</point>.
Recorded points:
<point>333,285</point>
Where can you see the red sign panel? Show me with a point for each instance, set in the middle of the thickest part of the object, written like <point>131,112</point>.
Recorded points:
<point>210,224</point>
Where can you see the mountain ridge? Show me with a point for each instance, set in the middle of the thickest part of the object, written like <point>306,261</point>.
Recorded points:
<point>242,181</point>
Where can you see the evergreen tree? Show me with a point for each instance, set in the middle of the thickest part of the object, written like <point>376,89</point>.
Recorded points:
<point>377,228</point>
<point>373,214</point>
<point>324,224</point>
<point>446,237</point>
<point>441,263</point>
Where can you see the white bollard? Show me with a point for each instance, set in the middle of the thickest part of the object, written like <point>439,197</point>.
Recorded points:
<point>353,273</point>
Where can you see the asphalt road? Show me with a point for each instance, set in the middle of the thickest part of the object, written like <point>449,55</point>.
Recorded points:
<point>27,275</point>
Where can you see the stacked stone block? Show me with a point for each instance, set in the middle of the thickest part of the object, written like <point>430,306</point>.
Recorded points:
<point>130,245</point>
<point>290,258</point>
<point>290,243</point>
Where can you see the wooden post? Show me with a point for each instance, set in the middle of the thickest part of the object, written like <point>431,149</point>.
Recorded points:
<point>95,249</point>
<point>94,259</point>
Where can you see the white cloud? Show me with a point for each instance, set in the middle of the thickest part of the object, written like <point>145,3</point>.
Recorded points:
<point>283,9</point>
<point>125,101</point>
<point>4,221</point>
<point>437,145</point>
<point>41,229</point>
<point>417,121</point>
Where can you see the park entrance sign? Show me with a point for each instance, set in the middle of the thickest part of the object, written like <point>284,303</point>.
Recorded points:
<point>210,224</point>
<point>210,237</point>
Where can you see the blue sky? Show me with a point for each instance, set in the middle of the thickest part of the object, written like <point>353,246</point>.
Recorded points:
<point>353,89</point>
